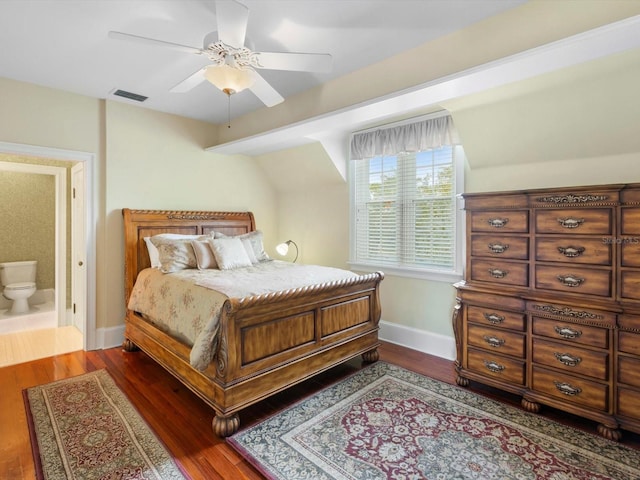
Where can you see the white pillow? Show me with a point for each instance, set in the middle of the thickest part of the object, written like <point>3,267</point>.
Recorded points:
<point>204,255</point>
<point>230,253</point>
<point>254,240</point>
<point>246,243</point>
<point>154,255</point>
<point>175,251</point>
<point>253,243</point>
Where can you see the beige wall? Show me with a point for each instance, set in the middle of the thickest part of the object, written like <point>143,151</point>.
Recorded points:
<point>312,203</point>
<point>158,161</point>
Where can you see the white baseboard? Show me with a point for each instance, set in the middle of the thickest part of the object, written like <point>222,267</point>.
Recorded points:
<point>421,340</point>
<point>109,337</point>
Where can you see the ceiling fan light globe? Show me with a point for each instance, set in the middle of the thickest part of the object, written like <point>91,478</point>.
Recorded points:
<point>229,79</point>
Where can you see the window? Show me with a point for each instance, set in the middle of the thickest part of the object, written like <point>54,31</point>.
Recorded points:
<point>404,188</point>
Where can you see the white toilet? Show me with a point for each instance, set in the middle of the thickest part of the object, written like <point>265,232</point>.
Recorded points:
<point>19,282</point>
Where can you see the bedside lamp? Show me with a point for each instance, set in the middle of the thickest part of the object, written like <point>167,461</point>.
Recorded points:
<point>283,249</point>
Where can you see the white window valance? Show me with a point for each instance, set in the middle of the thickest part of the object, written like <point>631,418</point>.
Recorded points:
<point>411,137</point>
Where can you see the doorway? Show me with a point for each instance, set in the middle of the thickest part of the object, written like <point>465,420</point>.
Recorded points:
<point>57,197</point>
<point>82,253</point>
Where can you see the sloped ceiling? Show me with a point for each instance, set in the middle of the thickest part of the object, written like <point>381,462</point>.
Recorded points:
<point>590,110</point>
<point>300,169</point>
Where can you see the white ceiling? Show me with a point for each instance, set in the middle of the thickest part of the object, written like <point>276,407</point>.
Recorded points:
<point>63,44</point>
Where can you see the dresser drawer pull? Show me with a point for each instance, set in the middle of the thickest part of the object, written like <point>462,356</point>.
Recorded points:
<point>498,248</point>
<point>571,252</point>
<point>567,388</point>
<point>567,332</point>
<point>493,366</point>
<point>498,222</point>
<point>570,222</point>
<point>497,273</point>
<point>568,360</point>
<point>570,280</point>
<point>493,341</point>
<point>493,318</point>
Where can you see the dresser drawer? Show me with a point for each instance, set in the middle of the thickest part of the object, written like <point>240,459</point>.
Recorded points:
<point>630,248</point>
<point>563,312</point>
<point>594,251</point>
<point>579,221</point>
<point>570,388</point>
<point>571,358</point>
<point>497,318</point>
<point>593,197</point>
<point>573,279</point>
<point>492,300</point>
<point>630,221</point>
<point>628,403</point>
<point>500,341</point>
<point>629,321</point>
<point>571,332</point>
<point>630,284</point>
<point>629,370</point>
<point>516,248</point>
<point>629,342</point>
<point>496,366</point>
<point>503,272</point>
<point>503,221</point>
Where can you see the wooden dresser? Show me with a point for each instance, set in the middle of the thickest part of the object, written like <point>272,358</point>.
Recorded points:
<point>550,305</point>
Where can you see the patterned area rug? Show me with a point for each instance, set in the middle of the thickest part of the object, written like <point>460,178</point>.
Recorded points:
<point>85,428</point>
<point>385,422</point>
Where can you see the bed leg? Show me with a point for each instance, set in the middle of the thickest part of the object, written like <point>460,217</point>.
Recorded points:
<point>371,356</point>
<point>224,426</point>
<point>129,346</point>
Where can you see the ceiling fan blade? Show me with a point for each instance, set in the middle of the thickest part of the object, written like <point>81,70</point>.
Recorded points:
<point>299,62</point>
<point>232,18</point>
<point>150,41</point>
<point>190,82</point>
<point>265,92</point>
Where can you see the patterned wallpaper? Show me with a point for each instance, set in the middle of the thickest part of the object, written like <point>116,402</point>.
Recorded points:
<point>27,213</point>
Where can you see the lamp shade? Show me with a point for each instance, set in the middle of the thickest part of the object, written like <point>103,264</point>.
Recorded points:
<point>283,248</point>
<point>229,79</point>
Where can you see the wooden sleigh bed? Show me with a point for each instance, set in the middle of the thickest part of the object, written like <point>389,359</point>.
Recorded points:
<point>265,343</point>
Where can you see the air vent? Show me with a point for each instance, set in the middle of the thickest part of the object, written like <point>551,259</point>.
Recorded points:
<point>130,96</point>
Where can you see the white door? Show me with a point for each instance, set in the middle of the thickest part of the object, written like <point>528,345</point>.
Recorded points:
<point>78,248</point>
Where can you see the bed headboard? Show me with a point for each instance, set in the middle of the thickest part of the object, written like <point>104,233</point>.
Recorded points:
<point>147,223</point>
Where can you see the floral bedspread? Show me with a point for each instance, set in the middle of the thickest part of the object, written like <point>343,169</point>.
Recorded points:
<point>187,304</point>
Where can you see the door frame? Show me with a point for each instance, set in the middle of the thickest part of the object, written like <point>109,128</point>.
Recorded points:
<point>90,196</point>
<point>78,268</point>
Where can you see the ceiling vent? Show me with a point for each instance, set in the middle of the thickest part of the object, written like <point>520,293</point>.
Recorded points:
<point>131,96</point>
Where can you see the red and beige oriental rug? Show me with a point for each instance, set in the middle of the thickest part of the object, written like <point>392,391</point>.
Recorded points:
<point>85,428</point>
<point>385,422</point>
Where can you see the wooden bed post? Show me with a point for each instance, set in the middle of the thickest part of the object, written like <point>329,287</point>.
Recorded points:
<point>225,426</point>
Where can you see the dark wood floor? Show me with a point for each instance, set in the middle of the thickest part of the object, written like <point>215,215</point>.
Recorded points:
<point>181,419</point>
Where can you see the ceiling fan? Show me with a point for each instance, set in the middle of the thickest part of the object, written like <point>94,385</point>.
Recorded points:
<point>234,65</point>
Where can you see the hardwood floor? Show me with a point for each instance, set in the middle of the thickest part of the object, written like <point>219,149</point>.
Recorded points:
<point>181,419</point>
<point>27,345</point>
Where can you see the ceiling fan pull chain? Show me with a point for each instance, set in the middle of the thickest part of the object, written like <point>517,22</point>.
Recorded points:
<point>229,110</point>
